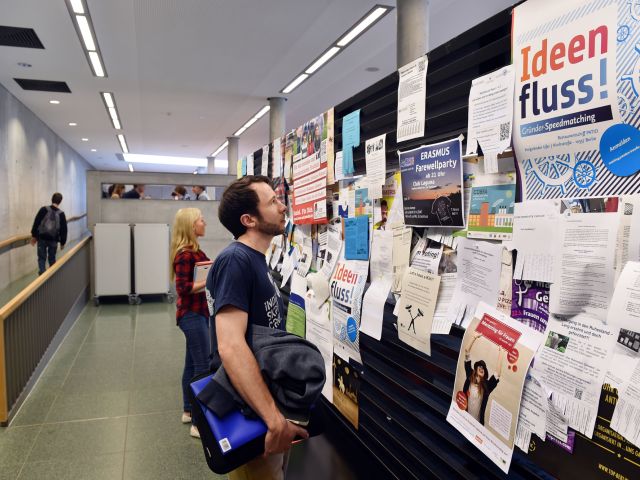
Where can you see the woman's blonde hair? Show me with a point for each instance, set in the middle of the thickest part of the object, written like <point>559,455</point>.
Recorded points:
<point>183,236</point>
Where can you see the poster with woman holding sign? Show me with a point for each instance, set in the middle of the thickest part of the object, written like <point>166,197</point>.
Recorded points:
<point>494,358</point>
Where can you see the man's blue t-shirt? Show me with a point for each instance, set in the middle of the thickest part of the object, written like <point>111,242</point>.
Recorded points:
<point>240,277</point>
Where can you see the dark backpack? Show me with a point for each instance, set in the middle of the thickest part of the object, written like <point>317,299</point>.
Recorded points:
<point>50,224</point>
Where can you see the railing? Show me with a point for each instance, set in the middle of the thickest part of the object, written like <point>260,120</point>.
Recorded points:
<point>31,320</point>
<point>21,240</point>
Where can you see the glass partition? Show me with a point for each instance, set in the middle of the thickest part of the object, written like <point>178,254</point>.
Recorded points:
<point>117,191</point>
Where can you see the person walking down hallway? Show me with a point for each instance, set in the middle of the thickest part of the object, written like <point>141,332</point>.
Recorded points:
<point>49,228</point>
<point>192,313</point>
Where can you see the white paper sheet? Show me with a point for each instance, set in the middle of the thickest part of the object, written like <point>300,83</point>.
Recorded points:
<point>535,226</point>
<point>381,275</point>
<point>250,166</point>
<point>441,321</point>
<point>533,413</point>
<point>412,94</point>
<point>573,363</point>
<point>319,330</point>
<point>479,269</point>
<point>264,166</point>
<point>426,255</point>
<point>334,247</point>
<point>490,115</point>
<point>376,163</point>
<point>277,159</point>
<point>584,265</point>
<point>624,311</point>
<point>401,252</point>
<point>417,304</point>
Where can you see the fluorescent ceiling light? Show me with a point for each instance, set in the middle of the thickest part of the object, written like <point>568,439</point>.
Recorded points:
<point>195,172</point>
<point>292,86</point>
<point>73,124</point>
<point>76,6</point>
<point>165,160</point>
<point>131,168</point>
<point>85,139</point>
<point>94,150</point>
<point>108,99</point>
<point>123,143</point>
<point>262,111</point>
<point>85,32</point>
<point>114,118</point>
<point>242,129</point>
<point>220,148</point>
<point>54,102</point>
<point>328,55</point>
<point>96,64</point>
<point>365,23</point>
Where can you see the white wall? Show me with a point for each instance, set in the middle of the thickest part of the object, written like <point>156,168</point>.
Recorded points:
<point>34,163</point>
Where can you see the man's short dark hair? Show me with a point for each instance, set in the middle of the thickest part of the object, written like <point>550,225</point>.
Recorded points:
<point>239,198</point>
<point>56,198</point>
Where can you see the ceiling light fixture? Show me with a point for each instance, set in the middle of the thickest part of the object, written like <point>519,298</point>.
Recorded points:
<point>77,7</point>
<point>85,139</point>
<point>54,102</point>
<point>324,58</point>
<point>165,160</point>
<point>73,124</point>
<point>110,105</point>
<point>84,27</point>
<point>123,143</point>
<point>220,148</point>
<point>292,86</point>
<point>131,168</point>
<point>367,21</point>
<point>195,172</point>
<point>252,120</point>
<point>94,150</point>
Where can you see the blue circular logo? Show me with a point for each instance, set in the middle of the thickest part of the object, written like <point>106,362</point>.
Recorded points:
<point>620,149</point>
<point>352,329</point>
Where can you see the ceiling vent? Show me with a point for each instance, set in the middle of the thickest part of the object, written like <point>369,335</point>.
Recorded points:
<point>19,37</point>
<point>43,85</point>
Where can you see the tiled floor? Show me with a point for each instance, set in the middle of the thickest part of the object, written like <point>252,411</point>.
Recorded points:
<point>108,404</point>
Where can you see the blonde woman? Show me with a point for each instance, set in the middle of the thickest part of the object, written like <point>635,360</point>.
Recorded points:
<point>192,313</point>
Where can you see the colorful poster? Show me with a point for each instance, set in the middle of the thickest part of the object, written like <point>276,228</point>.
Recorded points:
<point>346,385</point>
<point>432,185</point>
<point>576,121</point>
<point>491,207</point>
<point>347,286</point>
<point>494,358</point>
<point>530,303</point>
<point>310,170</point>
<point>327,146</point>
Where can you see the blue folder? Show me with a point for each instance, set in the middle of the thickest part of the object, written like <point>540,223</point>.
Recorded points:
<point>233,430</point>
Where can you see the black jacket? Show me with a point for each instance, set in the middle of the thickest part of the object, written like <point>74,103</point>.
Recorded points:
<point>292,368</point>
<point>62,234</point>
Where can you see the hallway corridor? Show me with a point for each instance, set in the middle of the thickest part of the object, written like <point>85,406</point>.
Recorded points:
<point>108,405</point>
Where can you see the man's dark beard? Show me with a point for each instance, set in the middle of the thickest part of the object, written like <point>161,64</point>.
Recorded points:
<point>269,228</point>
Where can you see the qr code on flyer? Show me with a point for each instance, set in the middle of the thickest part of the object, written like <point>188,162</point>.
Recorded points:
<point>578,394</point>
<point>505,130</point>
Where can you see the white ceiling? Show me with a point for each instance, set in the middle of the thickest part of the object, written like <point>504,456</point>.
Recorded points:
<point>188,73</point>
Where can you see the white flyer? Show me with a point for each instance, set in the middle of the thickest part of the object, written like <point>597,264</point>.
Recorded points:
<point>334,248</point>
<point>479,268</point>
<point>417,304</point>
<point>264,165</point>
<point>490,115</point>
<point>381,276</point>
<point>441,321</point>
<point>426,255</point>
<point>278,145</point>
<point>347,287</point>
<point>319,330</point>
<point>401,252</point>
<point>376,163</point>
<point>250,166</point>
<point>624,311</point>
<point>535,226</point>
<point>584,265</point>
<point>572,364</point>
<point>412,95</point>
